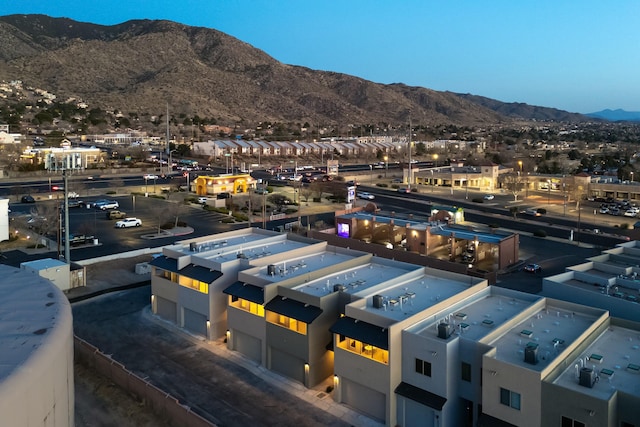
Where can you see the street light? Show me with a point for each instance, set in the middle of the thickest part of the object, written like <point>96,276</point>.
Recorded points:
<point>548,191</point>
<point>435,158</point>
<point>386,165</point>
<point>371,170</point>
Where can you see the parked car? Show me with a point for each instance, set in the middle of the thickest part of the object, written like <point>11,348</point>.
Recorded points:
<point>202,200</point>
<point>366,196</point>
<point>116,214</point>
<point>223,195</point>
<point>150,176</point>
<point>72,195</point>
<point>532,268</point>
<point>128,222</point>
<point>630,213</point>
<point>261,191</point>
<point>107,204</point>
<point>489,197</point>
<point>28,199</point>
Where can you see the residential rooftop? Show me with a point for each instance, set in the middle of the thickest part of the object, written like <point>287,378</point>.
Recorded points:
<point>614,357</point>
<point>475,319</point>
<point>358,279</point>
<point>409,297</point>
<point>548,330</point>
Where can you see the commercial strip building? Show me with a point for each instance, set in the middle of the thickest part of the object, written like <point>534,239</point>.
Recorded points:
<point>405,344</point>
<point>36,360</point>
<point>228,183</point>
<point>432,237</point>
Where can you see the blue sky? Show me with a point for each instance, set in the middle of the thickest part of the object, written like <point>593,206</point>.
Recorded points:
<point>581,56</point>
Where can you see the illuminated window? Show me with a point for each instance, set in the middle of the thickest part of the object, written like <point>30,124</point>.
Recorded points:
<point>363,349</point>
<point>194,284</point>
<point>247,305</point>
<point>287,322</point>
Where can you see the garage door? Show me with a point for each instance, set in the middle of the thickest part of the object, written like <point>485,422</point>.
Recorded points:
<point>287,365</point>
<point>364,399</point>
<point>195,322</point>
<point>249,346</point>
<point>166,309</point>
<point>411,413</point>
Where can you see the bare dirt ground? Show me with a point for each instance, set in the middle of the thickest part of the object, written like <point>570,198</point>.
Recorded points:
<point>100,403</point>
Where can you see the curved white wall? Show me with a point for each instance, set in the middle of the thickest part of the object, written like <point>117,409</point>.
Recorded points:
<point>36,356</point>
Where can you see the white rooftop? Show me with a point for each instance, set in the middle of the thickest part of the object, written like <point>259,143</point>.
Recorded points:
<point>407,298</point>
<point>475,319</point>
<point>550,329</point>
<point>615,357</point>
<point>358,279</point>
<point>30,307</point>
<point>295,267</point>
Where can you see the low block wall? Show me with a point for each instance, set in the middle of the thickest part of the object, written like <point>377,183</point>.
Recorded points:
<point>162,403</point>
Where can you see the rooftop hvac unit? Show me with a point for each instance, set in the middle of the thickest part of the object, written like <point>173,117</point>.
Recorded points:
<point>193,246</point>
<point>378,301</point>
<point>587,377</point>
<point>271,270</point>
<point>339,288</point>
<point>531,353</point>
<point>444,330</point>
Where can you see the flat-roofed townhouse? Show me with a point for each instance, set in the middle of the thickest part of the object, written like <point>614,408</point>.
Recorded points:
<point>599,384</point>
<point>610,281</point>
<point>525,351</point>
<point>441,382</point>
<point>302,298</point>
<point>368,360</point>
<point>187,280</point>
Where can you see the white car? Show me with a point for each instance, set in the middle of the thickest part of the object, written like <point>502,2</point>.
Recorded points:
<point>107,204</point>
<point>128,222</point>
<point>72,195</point>
<point>150,176</point>
<point>202,200</point>
<point>489,197</point>
<point>630,213</point>
<point>366,196</point>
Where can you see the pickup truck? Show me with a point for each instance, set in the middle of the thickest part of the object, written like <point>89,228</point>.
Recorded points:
<point>80,239</point>
<point>116,215</point>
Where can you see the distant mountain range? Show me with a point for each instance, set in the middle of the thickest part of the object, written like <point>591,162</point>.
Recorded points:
<point>140,66</point>
<point>616,115</point>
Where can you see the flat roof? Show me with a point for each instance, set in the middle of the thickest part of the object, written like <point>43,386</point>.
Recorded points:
<point>44,263</point>
<point>249,243</point>
<point>548,329</point>
<point>401,222</point>
<point>358,279</point>
<point>470,320</point>
<point>615,358</point>
<point>30,308</point>
<point>410,297</point>
<point>299,266</point>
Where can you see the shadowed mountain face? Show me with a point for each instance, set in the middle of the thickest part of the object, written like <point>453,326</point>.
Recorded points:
<point>140,66</point>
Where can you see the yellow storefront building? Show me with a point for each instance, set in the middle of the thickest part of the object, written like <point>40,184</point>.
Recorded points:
<point>234,184</point>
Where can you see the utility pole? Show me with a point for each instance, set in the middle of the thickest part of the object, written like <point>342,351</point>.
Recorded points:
<point>168,148</point>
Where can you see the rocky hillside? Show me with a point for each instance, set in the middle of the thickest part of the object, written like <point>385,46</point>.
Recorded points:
<point>139,66</point>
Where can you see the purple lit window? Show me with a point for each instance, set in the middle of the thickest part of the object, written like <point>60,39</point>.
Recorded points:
<point>343,229</point>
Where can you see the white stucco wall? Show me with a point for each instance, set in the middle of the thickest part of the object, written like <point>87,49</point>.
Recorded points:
<point>36,361</point>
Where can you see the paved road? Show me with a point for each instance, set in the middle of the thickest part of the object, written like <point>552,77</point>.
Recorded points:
<point>215,388</point>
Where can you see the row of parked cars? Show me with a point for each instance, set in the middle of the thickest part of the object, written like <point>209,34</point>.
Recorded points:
<point>623,208</point>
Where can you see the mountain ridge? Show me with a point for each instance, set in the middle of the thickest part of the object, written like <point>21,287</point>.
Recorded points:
<point>140,65</point>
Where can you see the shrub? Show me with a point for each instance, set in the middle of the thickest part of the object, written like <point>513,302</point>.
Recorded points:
<point>395,186</point>
<point>240,217</point>
<point>227,220</point>
<point>540,233</point>
<point>624,226</point>
<point>381,184</point>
